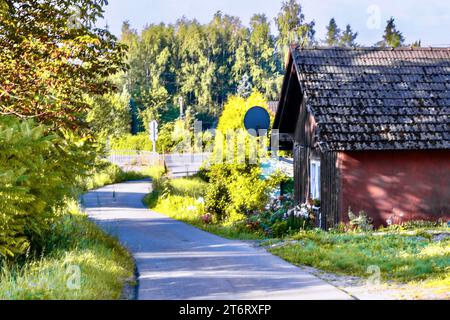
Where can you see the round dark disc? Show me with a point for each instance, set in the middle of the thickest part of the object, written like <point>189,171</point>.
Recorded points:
<point>256,118</point>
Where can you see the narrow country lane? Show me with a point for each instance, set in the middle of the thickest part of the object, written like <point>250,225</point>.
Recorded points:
<point>178,261</point>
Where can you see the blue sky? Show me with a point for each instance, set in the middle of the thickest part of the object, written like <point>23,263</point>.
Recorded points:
<point>427,20</point>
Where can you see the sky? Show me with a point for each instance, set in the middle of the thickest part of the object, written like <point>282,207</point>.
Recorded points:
<point>428,21</point>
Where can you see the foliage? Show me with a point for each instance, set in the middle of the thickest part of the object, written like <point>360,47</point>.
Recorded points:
<point>392,37</point>
<point>333,33</point>
<point>187,207</point>
<point>399,257</point>
<point>72,241</point>
<point>335,37</point>
<point>202,64</point>
<point>293,28</point>
<point>140,142</point>
<point>361,221</point>
<point>47,66</point>
<point>236,186</point>
<point>348,37</point>
<point>280,229</point>
<point>105,173</point>
<point>34,181</point>
<point>110,114</point>
<point>217,199</point>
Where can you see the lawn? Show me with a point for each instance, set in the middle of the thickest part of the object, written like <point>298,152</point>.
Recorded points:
<point>399,256</point>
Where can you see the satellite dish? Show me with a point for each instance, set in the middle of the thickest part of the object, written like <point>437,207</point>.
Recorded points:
<point>256,118</point>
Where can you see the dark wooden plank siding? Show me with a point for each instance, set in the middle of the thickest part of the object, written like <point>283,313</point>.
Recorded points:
<point>330,189</point>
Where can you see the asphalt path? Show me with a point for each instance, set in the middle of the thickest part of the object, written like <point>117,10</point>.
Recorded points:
<point>176,261</point>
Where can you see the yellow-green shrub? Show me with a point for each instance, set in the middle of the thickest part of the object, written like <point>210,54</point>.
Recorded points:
<point>38,171</point>
<point>237,188</point>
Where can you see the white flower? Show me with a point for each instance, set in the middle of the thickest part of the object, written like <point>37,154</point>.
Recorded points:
<point>191,208</point>
<point>201,200</point>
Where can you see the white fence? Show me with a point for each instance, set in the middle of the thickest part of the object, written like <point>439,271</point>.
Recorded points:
<point>135,159</point>
<point>177,164</point>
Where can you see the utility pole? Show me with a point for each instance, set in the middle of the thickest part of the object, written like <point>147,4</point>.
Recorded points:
<point>180,102</point>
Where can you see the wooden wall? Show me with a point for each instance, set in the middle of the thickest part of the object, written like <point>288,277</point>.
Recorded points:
<point>330,194</point>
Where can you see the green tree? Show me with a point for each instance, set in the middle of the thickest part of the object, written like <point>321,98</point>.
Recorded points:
<point>38,171</point>
<point>333,33</point>
<point>265,69</point>
<point>391,37</point>
<point>348,37</point>
<point>49,64</point>
<point>110,114</point>
<point>293,28</point>
<point>416,44</point>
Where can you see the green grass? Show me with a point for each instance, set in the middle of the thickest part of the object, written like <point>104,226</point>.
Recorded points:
<point>179,199</point>
<point>74,244</point>
<point>404,255</point>
<point>192,187</point>
<point>400,257</point>
<point>110,173</point>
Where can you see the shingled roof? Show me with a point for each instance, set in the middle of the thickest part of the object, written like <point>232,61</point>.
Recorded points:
<point>377,98</point>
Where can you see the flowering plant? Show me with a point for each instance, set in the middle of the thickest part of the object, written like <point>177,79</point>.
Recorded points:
<point>206,218</point>
<point>300,211</point>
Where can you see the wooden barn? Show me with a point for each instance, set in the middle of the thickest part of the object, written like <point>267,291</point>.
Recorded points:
<point>369,130</point>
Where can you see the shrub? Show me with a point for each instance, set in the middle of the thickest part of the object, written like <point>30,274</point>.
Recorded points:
<point>141,142</point>
<point>360,222</point>
<point>280,229</point>
<point>38,170</point>
<point>217,200</point>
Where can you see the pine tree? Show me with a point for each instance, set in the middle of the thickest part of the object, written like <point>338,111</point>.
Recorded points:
<point>416,44</point>
<point>391,37</point>
<point>333,33</point>
<point>348,37</point>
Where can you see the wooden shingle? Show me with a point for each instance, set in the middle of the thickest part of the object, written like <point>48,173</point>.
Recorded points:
<point>377,98</point>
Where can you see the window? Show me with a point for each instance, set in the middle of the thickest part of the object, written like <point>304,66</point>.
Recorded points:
<point>315,179</point>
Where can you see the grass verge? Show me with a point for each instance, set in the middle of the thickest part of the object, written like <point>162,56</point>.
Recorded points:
<point>406,258</point>
<point>409,256</point>
<point>182,199</point>
<point>79,262</point>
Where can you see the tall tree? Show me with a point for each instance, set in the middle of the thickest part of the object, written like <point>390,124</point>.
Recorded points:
<point>348,37</point>
<point>293,28</point>
<point>391,37</point>
<point>333,33</point>
<point>265,70</point>
<point>47,65</point>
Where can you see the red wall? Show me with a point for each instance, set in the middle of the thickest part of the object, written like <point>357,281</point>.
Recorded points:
<point>389,184</point>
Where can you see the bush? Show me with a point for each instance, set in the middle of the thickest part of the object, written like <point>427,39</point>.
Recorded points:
<point>140,142</point>
<point>38,170</point>
<point>360,222</point>
<point>217,200</point>
<point>280,229</point>
<point>104,173</point>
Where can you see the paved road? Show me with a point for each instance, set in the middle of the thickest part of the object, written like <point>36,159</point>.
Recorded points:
<point>178,261</point>
<point>183,165</point>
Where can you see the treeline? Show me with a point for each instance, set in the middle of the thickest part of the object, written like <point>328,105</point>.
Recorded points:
<point>200,65</point>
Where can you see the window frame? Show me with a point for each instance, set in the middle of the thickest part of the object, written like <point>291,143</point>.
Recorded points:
<point>314,175</point>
